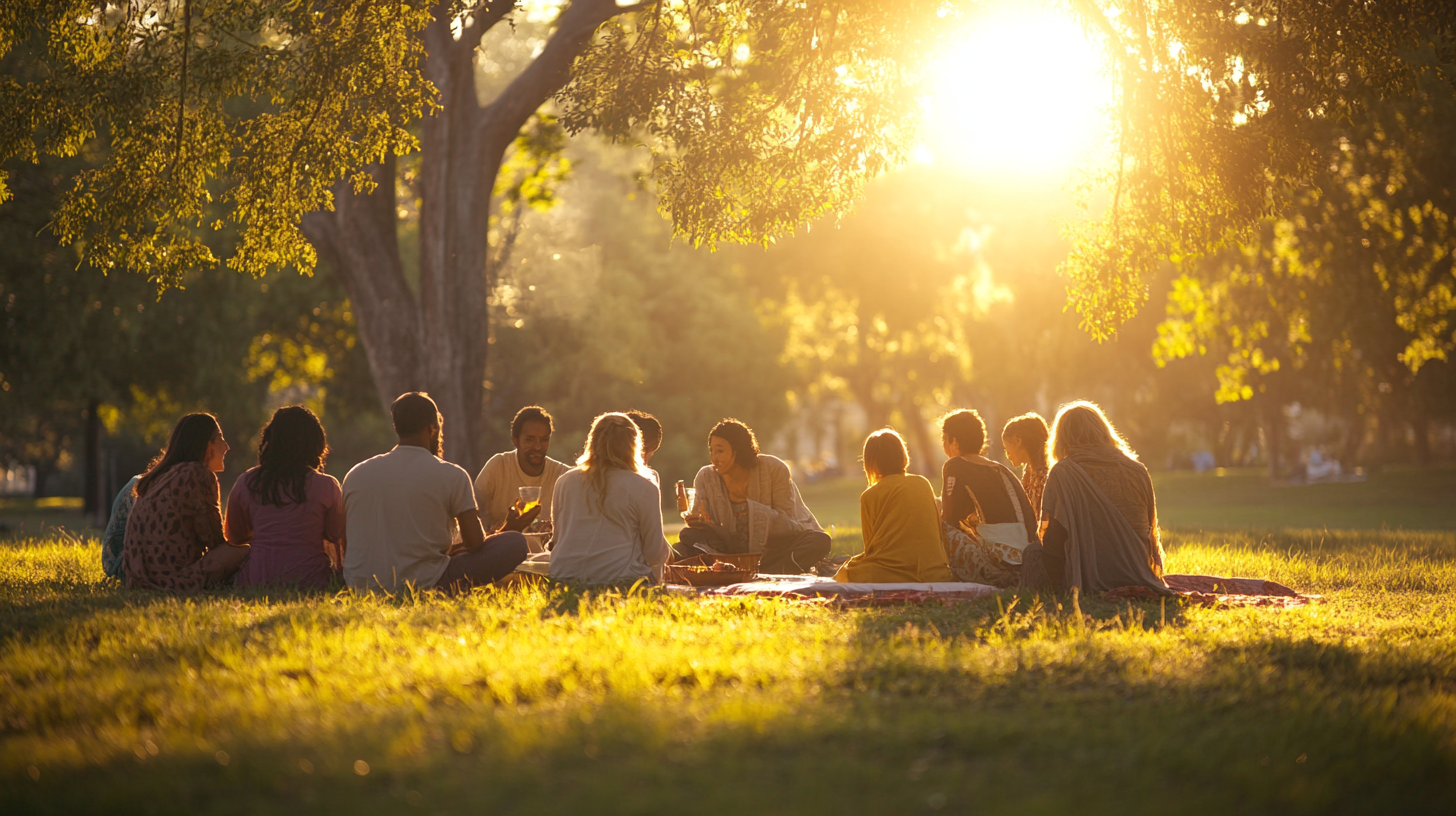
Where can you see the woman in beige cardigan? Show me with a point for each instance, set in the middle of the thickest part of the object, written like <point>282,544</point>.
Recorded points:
<point>746,501</point>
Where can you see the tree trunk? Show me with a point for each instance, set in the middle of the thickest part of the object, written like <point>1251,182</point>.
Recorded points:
<point>923,461</point>
<point>358,241</point>
<point>1223,443</point>
<point>43,471</point>
<point>435,340</point>
<point>1421,426</point>
<point>1273,436</point>
<point>1354,438</point>
<point>91,462</point>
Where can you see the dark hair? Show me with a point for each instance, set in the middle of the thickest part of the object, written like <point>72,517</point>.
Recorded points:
<point>651,430</point>
<point>414,412</point>
<point>1031,429</point>
<point>740,438</point>
<point>292,445</point>
<point>188,443</point>
<point>967,428</point>
<point>531,413</point>
<point>884,455</point>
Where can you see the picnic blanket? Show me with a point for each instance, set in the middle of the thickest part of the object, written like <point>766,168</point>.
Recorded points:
<point>824,590</point>
<point>1204,590</point>
<point>1216,590</point>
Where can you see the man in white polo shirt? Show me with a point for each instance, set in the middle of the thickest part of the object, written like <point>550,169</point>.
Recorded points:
<point>402,509</point>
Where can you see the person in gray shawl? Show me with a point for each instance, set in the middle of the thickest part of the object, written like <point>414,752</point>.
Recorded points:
<point>746,501</point>
<point>1099,518</point>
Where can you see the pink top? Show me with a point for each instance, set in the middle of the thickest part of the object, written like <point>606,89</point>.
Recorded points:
<point>288,541</point>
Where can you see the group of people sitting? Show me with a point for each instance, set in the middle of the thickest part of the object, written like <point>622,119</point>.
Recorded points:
<point>1082,514</point>
<point>408,518</point>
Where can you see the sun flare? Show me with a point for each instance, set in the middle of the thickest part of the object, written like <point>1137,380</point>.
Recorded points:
<point>1022,94</point>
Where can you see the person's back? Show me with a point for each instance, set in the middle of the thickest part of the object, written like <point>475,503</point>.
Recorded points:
<point>611,538</point>
<point>287,538</point>
<point>1098,513</point>
<point>169,529</point>
<point>986,518</point>
<point>901,534</point>
<point>399,509</point>
<point>979,491</point>
<point>1127,484</point>
<point>114,539</point>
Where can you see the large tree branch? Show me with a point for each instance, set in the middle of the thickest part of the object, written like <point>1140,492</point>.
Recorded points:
<point>357,241</point>
<point>502,119</point>
<point>439,39</point>
<point>484,16</point>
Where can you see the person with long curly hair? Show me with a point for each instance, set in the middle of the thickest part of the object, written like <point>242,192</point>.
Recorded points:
<point>1099,517</point>
<point>287,508</point>
<point>607,513</point>
<point>174,538</point>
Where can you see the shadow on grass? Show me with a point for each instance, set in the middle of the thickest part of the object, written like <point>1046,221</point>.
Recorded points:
<point>1269,730</point>
<point>981,707</point>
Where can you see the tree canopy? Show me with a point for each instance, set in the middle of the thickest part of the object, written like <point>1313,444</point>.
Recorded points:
<point>245,112</point>
<point>1224,119</point>
<point>212,113</point>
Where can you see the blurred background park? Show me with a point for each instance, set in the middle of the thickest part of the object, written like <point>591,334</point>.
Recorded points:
<point>940,290</point>
<point>1227,223</point>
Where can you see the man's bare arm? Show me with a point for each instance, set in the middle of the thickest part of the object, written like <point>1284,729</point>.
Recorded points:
<point>472,533</point>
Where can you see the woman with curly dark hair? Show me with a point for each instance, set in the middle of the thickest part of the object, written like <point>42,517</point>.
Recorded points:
<point>287,507</point>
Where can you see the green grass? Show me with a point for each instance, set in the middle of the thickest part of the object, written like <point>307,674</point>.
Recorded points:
<point>1403,498</point>
<point>37,517</point>
<point>553,701</point>
<point>557,702</point>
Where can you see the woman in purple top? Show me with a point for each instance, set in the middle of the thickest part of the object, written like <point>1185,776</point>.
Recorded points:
<point>287,508</point>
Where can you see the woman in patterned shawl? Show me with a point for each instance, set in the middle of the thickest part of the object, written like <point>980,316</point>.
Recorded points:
<point>174,538</point>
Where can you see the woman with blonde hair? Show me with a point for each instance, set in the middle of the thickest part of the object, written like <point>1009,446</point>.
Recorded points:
<point>606,513</point>
<point>899,520</point>
<point>1099,516</point>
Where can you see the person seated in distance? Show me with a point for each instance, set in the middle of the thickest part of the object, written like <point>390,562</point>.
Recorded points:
<point>651,430</point>
<point>402,509</point>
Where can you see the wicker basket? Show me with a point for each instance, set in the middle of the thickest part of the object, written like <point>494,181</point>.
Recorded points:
<point>689,571</point>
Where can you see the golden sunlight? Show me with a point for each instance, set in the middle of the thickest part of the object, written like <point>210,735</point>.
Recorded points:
<point>1023,94</point>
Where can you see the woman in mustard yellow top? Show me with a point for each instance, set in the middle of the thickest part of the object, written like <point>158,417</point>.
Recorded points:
<point>899,519</point>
